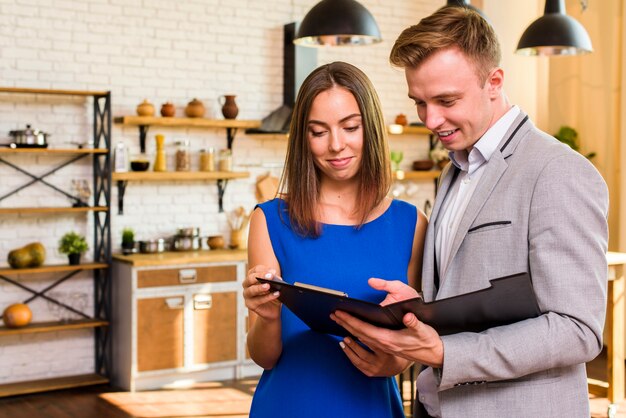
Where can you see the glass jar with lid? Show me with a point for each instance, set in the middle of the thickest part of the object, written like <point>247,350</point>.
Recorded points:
<point>207,159</point>
<point>183,155</point>
<point>226,160</point>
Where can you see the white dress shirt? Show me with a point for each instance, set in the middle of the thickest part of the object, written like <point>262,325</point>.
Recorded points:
<point>472,166</point>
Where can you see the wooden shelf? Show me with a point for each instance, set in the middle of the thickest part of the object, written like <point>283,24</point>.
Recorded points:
<point>53,268</point>
<point>54,210</point>
<point>179,175</point>
<point>52,91</point>
<point>186,122</point>
<point>54,326</point>
<point>417,175</point>
<point>44,385</point>
<point>409,130</point>
<point>53,151</point>
<point>169,258</point>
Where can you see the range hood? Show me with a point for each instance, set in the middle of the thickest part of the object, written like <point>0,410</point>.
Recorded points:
<point>298,62</point>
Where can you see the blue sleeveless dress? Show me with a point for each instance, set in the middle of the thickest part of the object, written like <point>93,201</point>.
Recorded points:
<point>313,377</point>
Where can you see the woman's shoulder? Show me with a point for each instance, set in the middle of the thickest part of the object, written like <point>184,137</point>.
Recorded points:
<point>272,204</point>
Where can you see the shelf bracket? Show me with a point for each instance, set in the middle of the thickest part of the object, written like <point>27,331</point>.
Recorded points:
<point>121,189</point>
<point>221,188</point>
<point>143,133</point>
<point>230,137</point>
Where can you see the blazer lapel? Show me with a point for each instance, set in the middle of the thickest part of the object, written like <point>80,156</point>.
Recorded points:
<point>429,264</point>
<point>494,170</point>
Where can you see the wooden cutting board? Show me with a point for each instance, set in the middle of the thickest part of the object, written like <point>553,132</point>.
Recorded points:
<point>266,188</point>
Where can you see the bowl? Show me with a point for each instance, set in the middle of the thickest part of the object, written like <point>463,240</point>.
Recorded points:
<point>215,242</point>
<point>139,165</point>
<point>423,165</point>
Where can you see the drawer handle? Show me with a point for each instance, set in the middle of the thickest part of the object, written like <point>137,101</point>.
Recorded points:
<point>187,276</point>
<point>201,302</point>
<point>175,303</point>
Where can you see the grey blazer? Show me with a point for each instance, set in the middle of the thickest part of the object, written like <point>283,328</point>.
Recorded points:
<point>540,207</point>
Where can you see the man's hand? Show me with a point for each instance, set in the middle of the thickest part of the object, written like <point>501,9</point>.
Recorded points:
<point>373,363</point>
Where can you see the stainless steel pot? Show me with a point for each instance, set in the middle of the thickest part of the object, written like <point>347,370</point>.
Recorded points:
<point>29,136</point>
<point>186,243</point>
<point>152,246</point>
<point>188,232</point>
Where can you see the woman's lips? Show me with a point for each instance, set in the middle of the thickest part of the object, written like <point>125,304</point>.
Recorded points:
<point>340,162</point>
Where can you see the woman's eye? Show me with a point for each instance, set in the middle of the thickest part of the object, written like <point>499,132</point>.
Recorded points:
<point>317,133</point>
<point>352,128</point>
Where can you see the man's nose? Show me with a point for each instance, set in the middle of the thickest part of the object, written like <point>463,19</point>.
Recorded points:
<point>433,118</point>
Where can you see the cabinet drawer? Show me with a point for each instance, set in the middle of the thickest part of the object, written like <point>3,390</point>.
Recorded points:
<point>160,333</point>
<point>176,277</point>
<point>215,327</point>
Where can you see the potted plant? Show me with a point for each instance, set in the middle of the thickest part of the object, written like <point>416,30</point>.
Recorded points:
<point>73,244</point>
<point>439,155</point>
<point>128,240</point>
<point>569,136</point>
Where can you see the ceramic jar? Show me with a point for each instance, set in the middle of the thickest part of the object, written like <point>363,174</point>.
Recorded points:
<point>145,108</point>
<point>229,107</point>
<point>401,119</point>
<point>194,109</point>
<point>168,109</point>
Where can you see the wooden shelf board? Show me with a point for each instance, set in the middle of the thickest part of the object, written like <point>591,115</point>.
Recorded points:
<point>169,258</point>
<point>53,326</point>
<point>54,210</point>
<point>188,122</point>
<point>53,268</point>
<point>417,175</point>
<point>53,151</point>
<point>180,175</point>
<point>408,130</point>
<point>52,91</point>
<point>44,385</point>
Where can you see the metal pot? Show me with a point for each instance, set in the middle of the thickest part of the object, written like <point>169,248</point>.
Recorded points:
<point>29,136</point>
<point>152,246</point>
<point>187,232</point>
<point>186,243</point>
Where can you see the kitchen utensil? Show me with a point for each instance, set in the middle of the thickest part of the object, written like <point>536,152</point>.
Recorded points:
<point>188,232</point>
<point>186,243</point>
<point>152,246</point>
<point>29,137</point>
<point>423,165</point>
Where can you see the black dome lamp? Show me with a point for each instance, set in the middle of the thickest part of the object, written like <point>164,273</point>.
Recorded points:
<point>338,23</point>
<point>555,33</point>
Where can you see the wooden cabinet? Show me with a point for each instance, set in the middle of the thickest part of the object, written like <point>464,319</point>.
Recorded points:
<point>179,318</point>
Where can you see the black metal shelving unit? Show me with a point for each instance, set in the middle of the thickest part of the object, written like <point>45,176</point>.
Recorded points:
<point>101,212</point>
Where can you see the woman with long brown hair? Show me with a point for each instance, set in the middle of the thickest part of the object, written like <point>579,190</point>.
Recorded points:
<point>331,226</point>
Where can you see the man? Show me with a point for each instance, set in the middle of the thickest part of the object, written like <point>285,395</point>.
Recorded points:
<point>513,199</point>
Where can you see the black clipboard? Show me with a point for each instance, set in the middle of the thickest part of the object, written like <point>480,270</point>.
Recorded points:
<point>507,300</point>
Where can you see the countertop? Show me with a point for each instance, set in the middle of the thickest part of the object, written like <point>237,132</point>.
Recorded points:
<point>169,258</point>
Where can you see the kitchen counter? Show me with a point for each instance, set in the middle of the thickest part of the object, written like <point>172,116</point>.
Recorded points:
<point>182,257</point>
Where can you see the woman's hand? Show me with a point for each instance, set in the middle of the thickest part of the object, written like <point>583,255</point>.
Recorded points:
<point>257,295</point>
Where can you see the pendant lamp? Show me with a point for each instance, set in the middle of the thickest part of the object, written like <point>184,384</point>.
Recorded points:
<point>336,23</point>
<point>466,3</point>
<point>555,33</point>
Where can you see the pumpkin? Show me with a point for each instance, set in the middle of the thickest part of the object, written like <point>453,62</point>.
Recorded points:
<point>17,315</point>
<point>31,255</point>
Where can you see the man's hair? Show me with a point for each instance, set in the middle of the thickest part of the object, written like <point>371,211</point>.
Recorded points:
<point>449,27</point>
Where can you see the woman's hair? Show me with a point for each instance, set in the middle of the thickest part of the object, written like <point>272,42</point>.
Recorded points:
<point>448,27</point>
<point>300,182</point>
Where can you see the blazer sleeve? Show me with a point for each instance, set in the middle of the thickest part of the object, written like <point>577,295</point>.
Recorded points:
<point>567,242</point>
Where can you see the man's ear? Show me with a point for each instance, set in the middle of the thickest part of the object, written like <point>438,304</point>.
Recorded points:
<point>495,82</point>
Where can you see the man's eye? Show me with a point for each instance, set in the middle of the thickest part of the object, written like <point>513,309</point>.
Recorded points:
<point>448,103</point>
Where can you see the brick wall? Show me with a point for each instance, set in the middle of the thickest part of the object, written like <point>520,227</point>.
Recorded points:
<point>162,51</point>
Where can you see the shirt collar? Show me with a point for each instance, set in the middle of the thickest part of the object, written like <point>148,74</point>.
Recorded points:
<point>485,147</point>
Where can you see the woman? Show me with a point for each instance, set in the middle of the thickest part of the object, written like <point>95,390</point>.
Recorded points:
<point>334,227</point>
